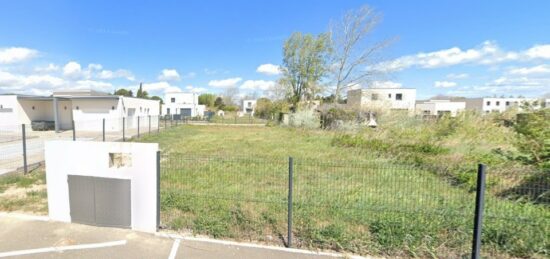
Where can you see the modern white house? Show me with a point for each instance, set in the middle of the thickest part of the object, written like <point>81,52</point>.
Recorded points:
<point>87,108</point>
<point>383,98</point>
<point>183,104</point>
<point>439,107</point>
<point>489,105</point>
<point>249,106</point>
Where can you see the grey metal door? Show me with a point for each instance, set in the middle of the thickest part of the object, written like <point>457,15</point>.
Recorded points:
<point>100,201</point>
<point>185,112</point>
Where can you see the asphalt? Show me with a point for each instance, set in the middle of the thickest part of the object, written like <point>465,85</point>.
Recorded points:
<point>20,236</point>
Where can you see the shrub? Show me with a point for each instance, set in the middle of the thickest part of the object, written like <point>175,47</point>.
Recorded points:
<point>305,119</point>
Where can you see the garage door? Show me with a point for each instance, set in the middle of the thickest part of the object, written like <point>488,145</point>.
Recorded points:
<point>100,201</point>
<point>186,112</point>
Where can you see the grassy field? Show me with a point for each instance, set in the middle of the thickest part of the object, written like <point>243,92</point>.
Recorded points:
<point>231,182</point>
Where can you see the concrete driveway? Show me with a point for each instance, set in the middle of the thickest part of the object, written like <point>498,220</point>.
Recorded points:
<point>36,237</point>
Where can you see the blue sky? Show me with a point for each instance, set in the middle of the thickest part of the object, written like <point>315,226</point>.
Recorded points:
<point>466,48</point>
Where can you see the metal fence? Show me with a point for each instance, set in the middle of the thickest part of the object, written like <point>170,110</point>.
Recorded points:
<point>368,207</point>
<point>22,146</point>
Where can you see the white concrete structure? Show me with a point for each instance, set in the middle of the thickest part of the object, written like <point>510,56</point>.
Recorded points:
<point>439,107</point>
<point>383,98</point>
<point>87,108</point>
<point>249,106</point>
<point>184,104</point>
<point>488,105</point>
<point>78,158</point>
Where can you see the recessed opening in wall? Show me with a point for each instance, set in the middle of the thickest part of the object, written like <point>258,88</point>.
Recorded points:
<point>77,107</point>
<point>113,108</point>
<point>33,107</point>
<point>65,108</point>
<point>118,160</point>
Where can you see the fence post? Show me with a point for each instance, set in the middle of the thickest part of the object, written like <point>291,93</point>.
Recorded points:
<point>74,131</point>
<point>165,123</point>
<point>138,128</point>
<point>478,220</point>
<point>158,190</point>
<point>103,129</point>
<point>235,119</point>
<point>149,119</point>
<point>24,135</point>
<point>158,123</point>
<point>290,187</point>
<point>123,129</point>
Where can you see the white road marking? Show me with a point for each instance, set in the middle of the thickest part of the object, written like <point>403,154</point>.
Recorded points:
<point>62,248</point>
<point>251,245</point>
<point>174,250</point>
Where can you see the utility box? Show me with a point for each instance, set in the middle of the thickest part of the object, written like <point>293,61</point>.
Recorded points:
<point>108,184</point>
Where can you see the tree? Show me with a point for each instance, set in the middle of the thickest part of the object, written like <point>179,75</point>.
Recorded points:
<point>124,92</point>
<point>304,65</point>
<point>207,99</point>
<point>352,53</point>
<point>230,95</point>
<point>157,99</point>
<point>264,108</point>
<point>142,94</point>
<point>219,103</point>
<point>533,130</point>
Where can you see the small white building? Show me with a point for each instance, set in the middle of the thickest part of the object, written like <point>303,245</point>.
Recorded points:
<point>489,105</point>
<point>249,106</point>
<point>183,104</point>
<point>439,107</point>
<point>382,98</point>
<point>87,108</point>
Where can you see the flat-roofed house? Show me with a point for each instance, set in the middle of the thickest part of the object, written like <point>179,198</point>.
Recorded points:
<point>439,107</point>
<point>383,98</point>
<point>489,105</point>
<point>182,104</point>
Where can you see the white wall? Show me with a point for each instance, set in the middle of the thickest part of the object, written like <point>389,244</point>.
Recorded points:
<point>88,114</point>
<point>181,98</point>
<point>435,107</point>
<point>85,158</point>
<point>9,118</point>
<point>43,110</point>
<point>488,105</point>
<point>249,104</point>
<point>382,98</point>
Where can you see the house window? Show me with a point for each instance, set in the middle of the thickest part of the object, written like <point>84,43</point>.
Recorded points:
<point>33,107</point>
<point>173,100</point>
<point>399,97</point>
<point>167,110</point>
<point>507,103</point>
<point>488,103</point>
<point>498,103</point>
<point>389,96</point>
<point>374,97</point>
<point>249,104</point>
<point>113,108</point>
<point>77,107</point>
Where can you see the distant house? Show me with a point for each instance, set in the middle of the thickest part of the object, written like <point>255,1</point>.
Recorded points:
<point>249,106</point>
<point>182,104</point>
<point>87,108</point>
<point>440,107</point>
<point>490,105</point>
<point>383,98</point>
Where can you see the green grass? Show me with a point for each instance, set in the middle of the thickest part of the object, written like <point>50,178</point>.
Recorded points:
<point>231,182</point>
<point>26,193</point>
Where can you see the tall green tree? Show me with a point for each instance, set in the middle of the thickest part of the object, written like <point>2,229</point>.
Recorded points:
<point>207,99</point>
<point>304,65</point>
<point>142,94</point>
<point>219,103</point>
<point>124,92</point>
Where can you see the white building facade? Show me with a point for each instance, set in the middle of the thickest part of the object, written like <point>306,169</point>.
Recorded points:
<point>183,104</point>
<point>383,98</point>
<point>439,108</point>
<point>86,108</point>
<point>249,106</point>
<point>489,105</point>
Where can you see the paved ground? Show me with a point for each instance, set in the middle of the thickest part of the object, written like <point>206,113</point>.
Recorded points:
<point>31,238</point>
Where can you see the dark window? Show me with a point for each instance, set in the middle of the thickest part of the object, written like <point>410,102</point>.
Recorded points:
<point>173,99</point>
<point>389,96</point>
<point>498,103</point>
<point>113,108</point>
<point>33,107</point>
<point>167,110</point>
<point>507,103</point>
<point>77,107</point>
<point>488,103</point>
<point>399,97</point>
<point>374,97</point>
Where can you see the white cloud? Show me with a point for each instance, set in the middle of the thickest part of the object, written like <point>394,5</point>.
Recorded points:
<point>385,84</point>
<point>536,70</point>
<point>257,85</point>
<point>225,83</point>
<point>444,84</point>
<point>458,76</point>
<point>269,69</point>
<point>11,80</point>
<point>488,53</point>
<point>72,70</point>
<point>169,75</point>
<point>47,69</point>
<point>193,89</point>
<point>16,54</point>
<point>190,75</point>
<point>121,73</point>
<point>95,67</point>
<point>539,51</point>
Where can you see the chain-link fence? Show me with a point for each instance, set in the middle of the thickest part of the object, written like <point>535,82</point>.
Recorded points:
<point>367,208</point>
